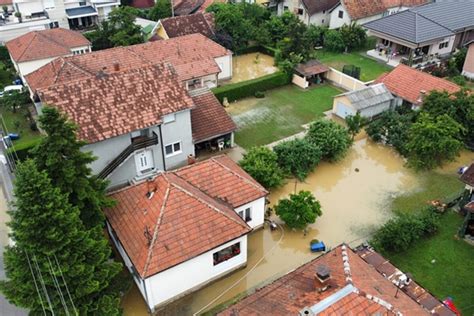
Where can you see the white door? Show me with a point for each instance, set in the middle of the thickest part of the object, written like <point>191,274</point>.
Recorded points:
<point>144,161</point>
<point>343,110</point>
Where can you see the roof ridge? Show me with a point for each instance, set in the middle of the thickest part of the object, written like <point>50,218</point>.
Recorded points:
<point>52,39</point>
<point>207,22</point>
<point>427,18</point>
<point>29,44</point>
<point>157,225</point>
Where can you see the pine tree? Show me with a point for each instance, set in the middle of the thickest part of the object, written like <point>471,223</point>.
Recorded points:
<point>60,155</point>
<point>54,254</point>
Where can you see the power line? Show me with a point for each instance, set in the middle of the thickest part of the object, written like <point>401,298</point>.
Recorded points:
<point>56,285</point>
<point>36,284</point>
<point>65,284</point>
<point>43,285</point>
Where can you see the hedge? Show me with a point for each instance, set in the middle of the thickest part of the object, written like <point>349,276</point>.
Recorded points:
<point>248,88</point>
<point>21,150</point>
<point>256,49</point>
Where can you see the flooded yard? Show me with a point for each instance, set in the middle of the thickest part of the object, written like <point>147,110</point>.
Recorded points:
<point>353,203</point>
<point>251,66</point>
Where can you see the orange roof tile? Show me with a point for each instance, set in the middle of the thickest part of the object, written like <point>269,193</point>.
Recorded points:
<point>202,23</point>
<point>45,44</point>
<point>209,118</point>
<point>181,221</point>
<point>101,105</point>
<point>358,9</point>
<point>219,177</point>
<point>407,83</point>
<point>370,292</point>
<point>191,55</point>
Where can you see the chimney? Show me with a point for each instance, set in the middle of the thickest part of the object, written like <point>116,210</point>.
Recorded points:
<point>191,160</point>
<point>421,98</point>
<point>321,278</point>
<point>116,66</point>
<point>151,187</point>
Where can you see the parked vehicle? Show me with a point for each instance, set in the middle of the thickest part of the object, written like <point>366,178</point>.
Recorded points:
<point>10,89</point>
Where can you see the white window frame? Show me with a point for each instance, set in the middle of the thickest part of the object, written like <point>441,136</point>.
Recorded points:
<point>169,118</point>
<point>174,153</point>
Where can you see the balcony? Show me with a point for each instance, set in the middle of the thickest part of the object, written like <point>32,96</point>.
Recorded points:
<point>136,144</point>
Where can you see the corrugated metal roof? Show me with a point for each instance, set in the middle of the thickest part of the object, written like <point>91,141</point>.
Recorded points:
<point>368,97</point>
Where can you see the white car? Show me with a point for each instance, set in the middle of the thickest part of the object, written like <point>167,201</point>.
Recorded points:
<point>10,89</point>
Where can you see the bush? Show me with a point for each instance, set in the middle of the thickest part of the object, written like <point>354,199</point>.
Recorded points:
<point>333,139</point>
<point>261,164</point>
<point>298,157</point>
<point>334,41</point>
<point>299,210</point>
<point>400,232</point>
<point>248,88</point>
<point>259,94</point>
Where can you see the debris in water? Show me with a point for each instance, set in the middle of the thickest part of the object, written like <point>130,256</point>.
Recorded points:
<point>356,169</point>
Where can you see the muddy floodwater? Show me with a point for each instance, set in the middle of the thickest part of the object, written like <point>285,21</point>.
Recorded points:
<point>354,203</point>
<point>251,66</point>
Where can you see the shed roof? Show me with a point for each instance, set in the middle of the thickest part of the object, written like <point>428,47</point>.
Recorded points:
<point>311,68</point>
<point>468,176</point>
<point>368,97</point>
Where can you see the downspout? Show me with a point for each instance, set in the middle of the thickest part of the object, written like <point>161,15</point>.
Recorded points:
<point>162,149</point>
<point>146,295</point>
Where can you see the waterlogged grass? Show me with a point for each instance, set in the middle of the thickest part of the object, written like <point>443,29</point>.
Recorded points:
<point>451,273</point>
<point>280,114</point>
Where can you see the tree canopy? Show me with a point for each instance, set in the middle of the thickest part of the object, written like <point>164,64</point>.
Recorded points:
<point>55,262</point>
<point>299,210</point>
<point>161,10</point>
<point>261,163</point>
<point>330,137</point>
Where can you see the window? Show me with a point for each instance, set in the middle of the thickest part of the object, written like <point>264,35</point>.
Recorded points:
<point>322,21</point>
<point>443,45</point>
<point>246,214</point>
<point>173,149</point>
<point>285,8</point>
<point>144,161</point>
<point>300,11</point>
<point>169,118</point>
<point>194,84</point>
<point>341,14</point>
<point>324,11</point>
<point>226,253</point>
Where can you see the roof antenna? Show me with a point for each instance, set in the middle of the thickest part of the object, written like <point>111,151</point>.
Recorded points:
<point>147,235</point>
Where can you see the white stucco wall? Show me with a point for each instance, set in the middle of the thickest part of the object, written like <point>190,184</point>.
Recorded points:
<point>257,212</point>
<point>192,274</point>
<point>320,18</point>
<point>336,22</point>
<point>27,67</point>
<point>434,49</point>
<point>225,64</point>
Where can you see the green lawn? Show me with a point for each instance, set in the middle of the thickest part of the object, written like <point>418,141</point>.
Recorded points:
<point>10,119</point>
<point>280,114</point>
<point>369,68</point>
<point>452,272</point>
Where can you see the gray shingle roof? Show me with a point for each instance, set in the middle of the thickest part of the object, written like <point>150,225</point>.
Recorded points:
<point>409,26</point>
<point>368,97</point>
<point>454,15</point>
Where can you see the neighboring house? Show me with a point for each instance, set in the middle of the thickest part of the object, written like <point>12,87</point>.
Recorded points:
<point>410,85</point>
<point>45,14</point>
<point>142,109</point>
<point>363,11</point>
<point>315,12</point>
<point>8,4</point>
<point>35,49</point>
<point>468,69</point>
<point>181,230</point>
<point>368,102</point>
<point>202,23</point>
<point>468,178</point>
<point>424,34</point>
<point>342,282</point>
<point>148,27</point>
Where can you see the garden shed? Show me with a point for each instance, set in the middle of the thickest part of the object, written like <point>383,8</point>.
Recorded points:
<point>311,72</point>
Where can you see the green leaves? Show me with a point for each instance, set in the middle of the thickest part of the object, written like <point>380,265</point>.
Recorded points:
<point>161,10</point>
<point>299,210</point>
<point>330,137</point>
<point>261,164</point>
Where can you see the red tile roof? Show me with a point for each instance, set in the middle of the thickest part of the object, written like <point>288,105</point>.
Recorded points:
<point>202,23</point>
<point>191,55</point>
<point>45,44</point>
<point>222,179</point>
<point>408,83</point>
<point>101,105</point>
<point>358,9</point>
<point>209,118</point>
<point>370,292</point>
<point>468,176</point>
<point>185,7</point>
<point>6,2</point>
<point>142,4</point>
<point>182,221</point>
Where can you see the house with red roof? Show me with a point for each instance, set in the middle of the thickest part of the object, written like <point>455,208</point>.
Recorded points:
<point>35,49</point>
<point>180,230</point>
<point>342,281</point>
<point>316,12</point>
<point>410,85</point>
<point>141,109</point>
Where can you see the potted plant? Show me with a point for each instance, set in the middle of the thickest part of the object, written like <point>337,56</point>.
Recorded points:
<point>5,9</point>
<point>18,15</point>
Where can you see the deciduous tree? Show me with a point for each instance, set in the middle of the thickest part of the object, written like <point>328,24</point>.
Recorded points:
<point>298,157</point>
<point>299,210</point>
<point>355,123</point>
<point>261,163</point>
<point>161,10</point>
<point>330,137</point>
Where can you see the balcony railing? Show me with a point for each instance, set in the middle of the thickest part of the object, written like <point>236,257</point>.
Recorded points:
<point>137,143</point>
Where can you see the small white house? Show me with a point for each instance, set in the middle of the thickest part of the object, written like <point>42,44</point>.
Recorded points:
<point>195,219</point>
<point>368,102</point>
<point>35,49</point>
<point>316,12</point>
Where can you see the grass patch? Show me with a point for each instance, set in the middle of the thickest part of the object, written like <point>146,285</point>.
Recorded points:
<point>433,186</point>
<point>369,68</point>
<point>280,114</point>
<point>27,136</point>
<point>451,274</point>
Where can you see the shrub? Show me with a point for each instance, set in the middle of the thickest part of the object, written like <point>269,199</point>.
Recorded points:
<point>299,210</point>
<point>400,232</point>
<point>259,94</point>
<point>333,139</point>
<point>21,150</point>
<point>248,88</point>
<point>261,164</point>
<point>334,41</point>
<point>298,157</point>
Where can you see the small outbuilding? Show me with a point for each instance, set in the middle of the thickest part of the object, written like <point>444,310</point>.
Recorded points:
<point>311,72</point>
<point>369,102</point>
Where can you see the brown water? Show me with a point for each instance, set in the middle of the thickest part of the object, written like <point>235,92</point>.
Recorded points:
<point>353,204</point>
<point>251,66</point>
